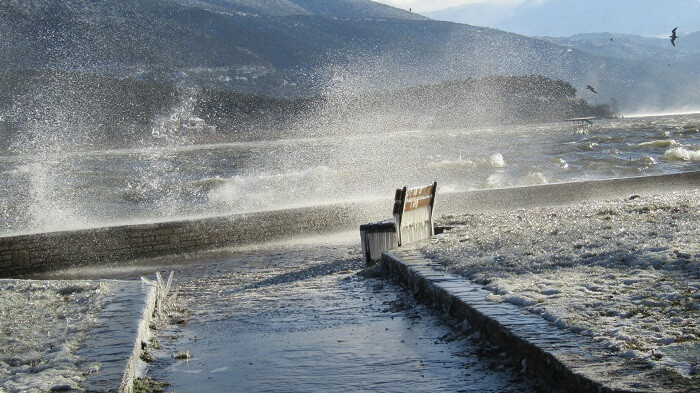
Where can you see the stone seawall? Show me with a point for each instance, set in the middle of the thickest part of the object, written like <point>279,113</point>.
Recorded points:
<point>554,194</point>
<point>33,253</point>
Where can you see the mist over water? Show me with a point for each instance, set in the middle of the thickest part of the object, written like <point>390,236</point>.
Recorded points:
<point>47,187</point>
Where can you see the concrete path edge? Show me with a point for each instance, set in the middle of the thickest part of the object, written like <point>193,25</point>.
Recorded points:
<point>559,357</point>
<point>539,363</point>
<point>143,333</point>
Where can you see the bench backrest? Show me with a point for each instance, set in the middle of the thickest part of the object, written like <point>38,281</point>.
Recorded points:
<point>413,213</point>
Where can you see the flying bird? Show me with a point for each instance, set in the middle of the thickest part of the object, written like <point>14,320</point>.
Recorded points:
<point>591,88</point>
<point>673,36</point>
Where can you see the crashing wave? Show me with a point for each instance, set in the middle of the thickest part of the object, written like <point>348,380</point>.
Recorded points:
<point>681,154</point>
<point>660,143</point>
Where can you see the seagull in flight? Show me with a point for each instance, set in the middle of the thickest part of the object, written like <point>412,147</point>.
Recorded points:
<point>673,36</point>
<point>591,88</point>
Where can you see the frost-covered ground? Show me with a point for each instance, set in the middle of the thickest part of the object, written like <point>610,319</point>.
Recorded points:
<point>625,272</point>
<point>41,326</point>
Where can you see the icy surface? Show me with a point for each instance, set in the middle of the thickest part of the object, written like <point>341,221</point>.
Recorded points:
<point>42,324</point>
<point>626,272</point>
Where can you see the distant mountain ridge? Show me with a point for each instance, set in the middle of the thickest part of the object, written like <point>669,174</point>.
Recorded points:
<point>563,18</point>
<point>337,9</point>
<point>684,57</point>
<point>288,48</point>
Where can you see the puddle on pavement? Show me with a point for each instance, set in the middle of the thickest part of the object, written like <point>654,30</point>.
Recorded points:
<point>309,318</point>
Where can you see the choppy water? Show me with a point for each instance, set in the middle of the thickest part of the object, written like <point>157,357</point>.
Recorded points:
<point>47,188</point>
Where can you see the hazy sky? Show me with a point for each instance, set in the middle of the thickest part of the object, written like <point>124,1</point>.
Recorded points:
<point>433,5</point>
<point>560,18</point>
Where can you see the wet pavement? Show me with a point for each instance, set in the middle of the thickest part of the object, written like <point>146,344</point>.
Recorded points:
<point>309,317</point>
<point>71,336</point>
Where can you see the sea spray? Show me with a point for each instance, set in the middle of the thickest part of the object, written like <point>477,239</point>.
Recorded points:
<point>67,189</point>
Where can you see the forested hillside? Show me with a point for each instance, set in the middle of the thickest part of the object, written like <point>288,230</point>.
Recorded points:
<point>98,112</point>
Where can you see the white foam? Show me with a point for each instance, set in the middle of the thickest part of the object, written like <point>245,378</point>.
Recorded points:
<point>560,162</point>
<point>658,113</point>
<point>497,161</point>
<point>494,161</point>
<point>496,180</point>
<point>681,154</point>
<point>49,321</point>
<point>660,143</point>
<point>534,178</point>
<point>259,192</point>
<point>452,164</point>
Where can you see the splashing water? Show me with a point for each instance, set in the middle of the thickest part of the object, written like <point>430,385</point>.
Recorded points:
<point>51,189</point>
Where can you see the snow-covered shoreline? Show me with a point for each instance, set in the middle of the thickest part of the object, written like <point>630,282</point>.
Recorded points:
<point>625,272</point>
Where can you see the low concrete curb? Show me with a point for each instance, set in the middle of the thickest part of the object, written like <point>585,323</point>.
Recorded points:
<point>143,333</point>
<point>115,342</point>
<point>567,361</point>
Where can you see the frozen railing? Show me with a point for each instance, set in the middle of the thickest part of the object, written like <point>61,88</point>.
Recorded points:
<point>413,221</point>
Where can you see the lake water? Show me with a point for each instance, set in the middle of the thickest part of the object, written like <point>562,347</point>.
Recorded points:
<point>47,188</point>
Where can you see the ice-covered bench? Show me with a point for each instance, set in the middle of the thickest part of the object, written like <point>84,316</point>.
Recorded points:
<point>413,221</point>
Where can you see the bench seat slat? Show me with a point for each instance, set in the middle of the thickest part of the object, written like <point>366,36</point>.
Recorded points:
<point>418,203</point>
<point>419,191</point>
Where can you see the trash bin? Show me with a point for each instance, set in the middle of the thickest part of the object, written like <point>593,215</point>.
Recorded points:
<point>377,237</point>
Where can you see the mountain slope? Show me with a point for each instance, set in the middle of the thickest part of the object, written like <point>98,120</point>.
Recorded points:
<point>294,47</point>
<point>337,9</point>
